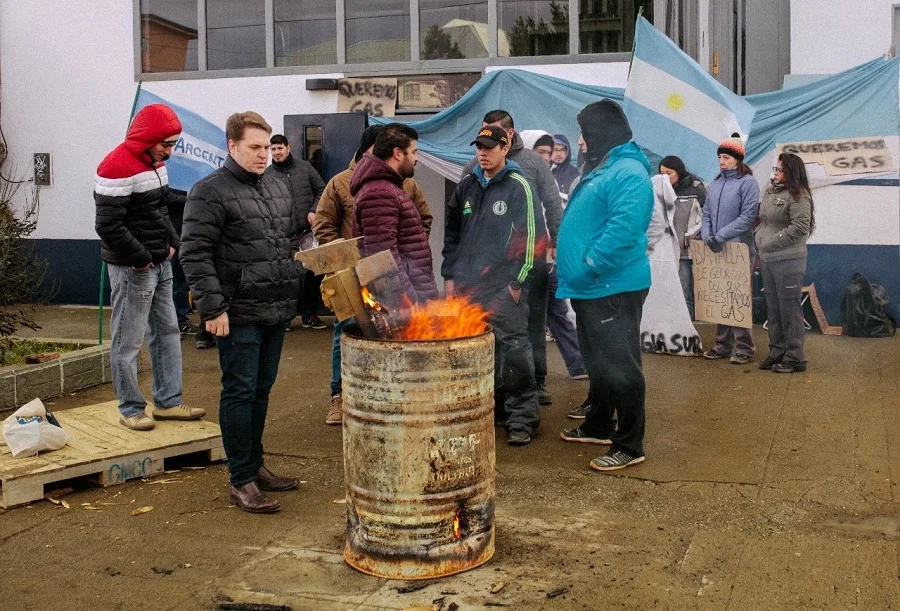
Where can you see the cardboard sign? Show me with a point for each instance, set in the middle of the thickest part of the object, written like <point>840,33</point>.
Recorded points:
<point>722,292</point>
<point>375,96</point>
<point>841,157</point>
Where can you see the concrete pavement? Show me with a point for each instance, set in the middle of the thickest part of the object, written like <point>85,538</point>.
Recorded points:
<point>760,491</point>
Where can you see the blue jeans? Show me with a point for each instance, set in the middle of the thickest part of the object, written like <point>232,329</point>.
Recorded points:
<point>336,386</point>
<point>562,329</point>
<point>249,358</point>
<point>142,302</point>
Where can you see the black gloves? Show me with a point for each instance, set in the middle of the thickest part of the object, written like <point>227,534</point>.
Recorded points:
<point>714,245</point>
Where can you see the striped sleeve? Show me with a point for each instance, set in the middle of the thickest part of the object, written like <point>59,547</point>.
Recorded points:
<point>530,223</point>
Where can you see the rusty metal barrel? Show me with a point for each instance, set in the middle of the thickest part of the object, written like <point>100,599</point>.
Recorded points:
<point>418,455</point>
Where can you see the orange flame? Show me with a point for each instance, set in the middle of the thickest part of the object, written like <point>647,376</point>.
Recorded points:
<point>449,318</point>
<point>457,533</point>
<point>369,300</point>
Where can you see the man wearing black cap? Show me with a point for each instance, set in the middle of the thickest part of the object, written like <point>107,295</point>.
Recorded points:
<point>489,252</point>
<point>549,209</point>
<point>603,268</point>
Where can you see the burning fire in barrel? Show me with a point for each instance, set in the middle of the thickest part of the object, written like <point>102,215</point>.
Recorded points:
<point>419,441</point>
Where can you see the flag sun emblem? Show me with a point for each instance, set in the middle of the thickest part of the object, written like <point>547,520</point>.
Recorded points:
<point>675,101</point>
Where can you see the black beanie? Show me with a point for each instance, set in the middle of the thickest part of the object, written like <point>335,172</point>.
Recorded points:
<point>368,139</point>
<point>603,126</point>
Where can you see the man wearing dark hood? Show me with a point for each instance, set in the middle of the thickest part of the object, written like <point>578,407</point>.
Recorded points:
<point>563,171</point>
<point>604,269</point>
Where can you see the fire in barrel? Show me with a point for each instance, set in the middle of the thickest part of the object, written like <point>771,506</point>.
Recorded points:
<point>418,426</point>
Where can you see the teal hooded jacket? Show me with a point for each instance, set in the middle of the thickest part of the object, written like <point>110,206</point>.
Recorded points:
<point>602,245</point>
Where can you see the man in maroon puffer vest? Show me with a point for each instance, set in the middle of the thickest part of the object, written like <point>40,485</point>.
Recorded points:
<point>386,217</point>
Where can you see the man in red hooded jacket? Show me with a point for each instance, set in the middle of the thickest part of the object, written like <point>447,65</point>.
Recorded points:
<point>137,243</point>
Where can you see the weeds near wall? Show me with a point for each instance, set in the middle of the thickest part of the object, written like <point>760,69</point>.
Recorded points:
<point>21,271</point>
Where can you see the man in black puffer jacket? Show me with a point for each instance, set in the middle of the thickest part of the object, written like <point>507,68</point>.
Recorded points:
<point>306,188</point>
<point>239,237</point>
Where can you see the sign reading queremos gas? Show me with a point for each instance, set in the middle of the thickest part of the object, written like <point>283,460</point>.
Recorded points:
<point>374,96</point>
<point>848,156</point>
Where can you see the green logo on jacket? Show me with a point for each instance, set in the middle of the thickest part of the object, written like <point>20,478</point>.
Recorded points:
<point>467,208</point>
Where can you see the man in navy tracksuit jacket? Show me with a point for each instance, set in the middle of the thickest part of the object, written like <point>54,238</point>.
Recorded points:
<point>489,252</point>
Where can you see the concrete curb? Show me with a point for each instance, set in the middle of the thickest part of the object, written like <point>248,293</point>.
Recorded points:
<point>71,372</point>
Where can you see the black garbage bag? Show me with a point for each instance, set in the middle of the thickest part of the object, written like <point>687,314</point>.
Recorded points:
<point>864,308</point>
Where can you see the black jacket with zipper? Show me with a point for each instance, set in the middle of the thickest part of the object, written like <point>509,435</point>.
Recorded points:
<point>493,231</point>
<point>238,241</point>
<point>305,184</point>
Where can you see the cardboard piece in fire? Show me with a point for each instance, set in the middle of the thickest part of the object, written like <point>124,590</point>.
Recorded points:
<point>369,290</point>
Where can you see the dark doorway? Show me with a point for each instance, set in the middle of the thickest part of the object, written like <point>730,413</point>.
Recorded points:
<point>328,142</point>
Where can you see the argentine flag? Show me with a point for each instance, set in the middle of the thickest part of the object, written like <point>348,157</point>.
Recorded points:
<point>676,108</point>
<point>200,150</point>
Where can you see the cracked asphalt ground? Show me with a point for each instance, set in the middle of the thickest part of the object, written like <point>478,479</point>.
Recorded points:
<point>760,491</point>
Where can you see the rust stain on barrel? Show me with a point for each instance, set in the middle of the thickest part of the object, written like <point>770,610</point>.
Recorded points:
<point>418,455</point>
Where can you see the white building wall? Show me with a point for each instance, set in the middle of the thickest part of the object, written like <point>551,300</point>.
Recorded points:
<point>832,36</point>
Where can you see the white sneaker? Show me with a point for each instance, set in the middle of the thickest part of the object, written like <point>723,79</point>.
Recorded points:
<point>138,422</point>
<point>178,412</point>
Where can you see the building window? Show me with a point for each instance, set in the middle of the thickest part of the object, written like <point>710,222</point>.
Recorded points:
<point>305,32</point>
<point>453,30</point>
<point>235,34</point>
<point>533,27</point>
<point>168,35</point>
<point>377,31</point>
<point>607,26</point>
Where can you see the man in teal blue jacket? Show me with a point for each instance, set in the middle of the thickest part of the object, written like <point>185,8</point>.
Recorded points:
<point>603,268</point>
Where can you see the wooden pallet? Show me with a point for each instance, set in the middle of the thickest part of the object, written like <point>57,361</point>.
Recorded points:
<point>103,450</point>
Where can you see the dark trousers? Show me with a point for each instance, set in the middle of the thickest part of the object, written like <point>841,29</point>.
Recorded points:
<point>180,292</point>
<point>310,297</point>
<point>562,329</point>
<point>734,340</point>
<point>537,318</point>
<point>336,383</point>
<point>783,284</point>
<point>609,333</point>
<point>515,392</point>
<point>249,358</point>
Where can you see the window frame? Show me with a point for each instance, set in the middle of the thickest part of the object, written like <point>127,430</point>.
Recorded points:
<point>412,67</point>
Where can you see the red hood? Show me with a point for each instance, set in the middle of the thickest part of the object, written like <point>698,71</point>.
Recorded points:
<point>151,125</point>
<point>372,168</point>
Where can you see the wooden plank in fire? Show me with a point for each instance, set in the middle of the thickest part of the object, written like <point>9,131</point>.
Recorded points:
<point>342,294</point>
<point>332,257</point>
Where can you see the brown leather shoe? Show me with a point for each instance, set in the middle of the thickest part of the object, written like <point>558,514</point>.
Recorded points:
<point>266,480</point>
<point>249,498</point>
<point>336,413</point>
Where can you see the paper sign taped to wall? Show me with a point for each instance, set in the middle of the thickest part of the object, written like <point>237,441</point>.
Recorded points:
<point>375,96</point>
<point>841,157</point>
<point>722,292</point>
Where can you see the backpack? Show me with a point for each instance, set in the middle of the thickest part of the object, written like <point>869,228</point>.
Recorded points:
<point>864,308</point>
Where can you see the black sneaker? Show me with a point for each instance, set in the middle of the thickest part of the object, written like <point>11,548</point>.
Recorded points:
<point>187,328</point>
<point>518,438</point>
<point>580,436</point>
<point>580,412</point>
<point>740,359</point>
<point>313,322</point>
<point>769,362</point>
<point>615,460</point>
<point>205,342</point>
<point>543,396</point>
<point>712,355</point>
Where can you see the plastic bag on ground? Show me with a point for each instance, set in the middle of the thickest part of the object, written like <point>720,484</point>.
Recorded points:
<point>31,429</point>
<point>864,309</point>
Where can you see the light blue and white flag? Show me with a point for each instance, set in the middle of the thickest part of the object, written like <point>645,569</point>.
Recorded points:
<point>200,150</point>
<point>676,108</point>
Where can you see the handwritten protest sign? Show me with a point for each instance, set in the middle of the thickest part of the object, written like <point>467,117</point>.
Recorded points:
<point>840,157</point>
<point>722,292</point>
<point>375,96</point>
